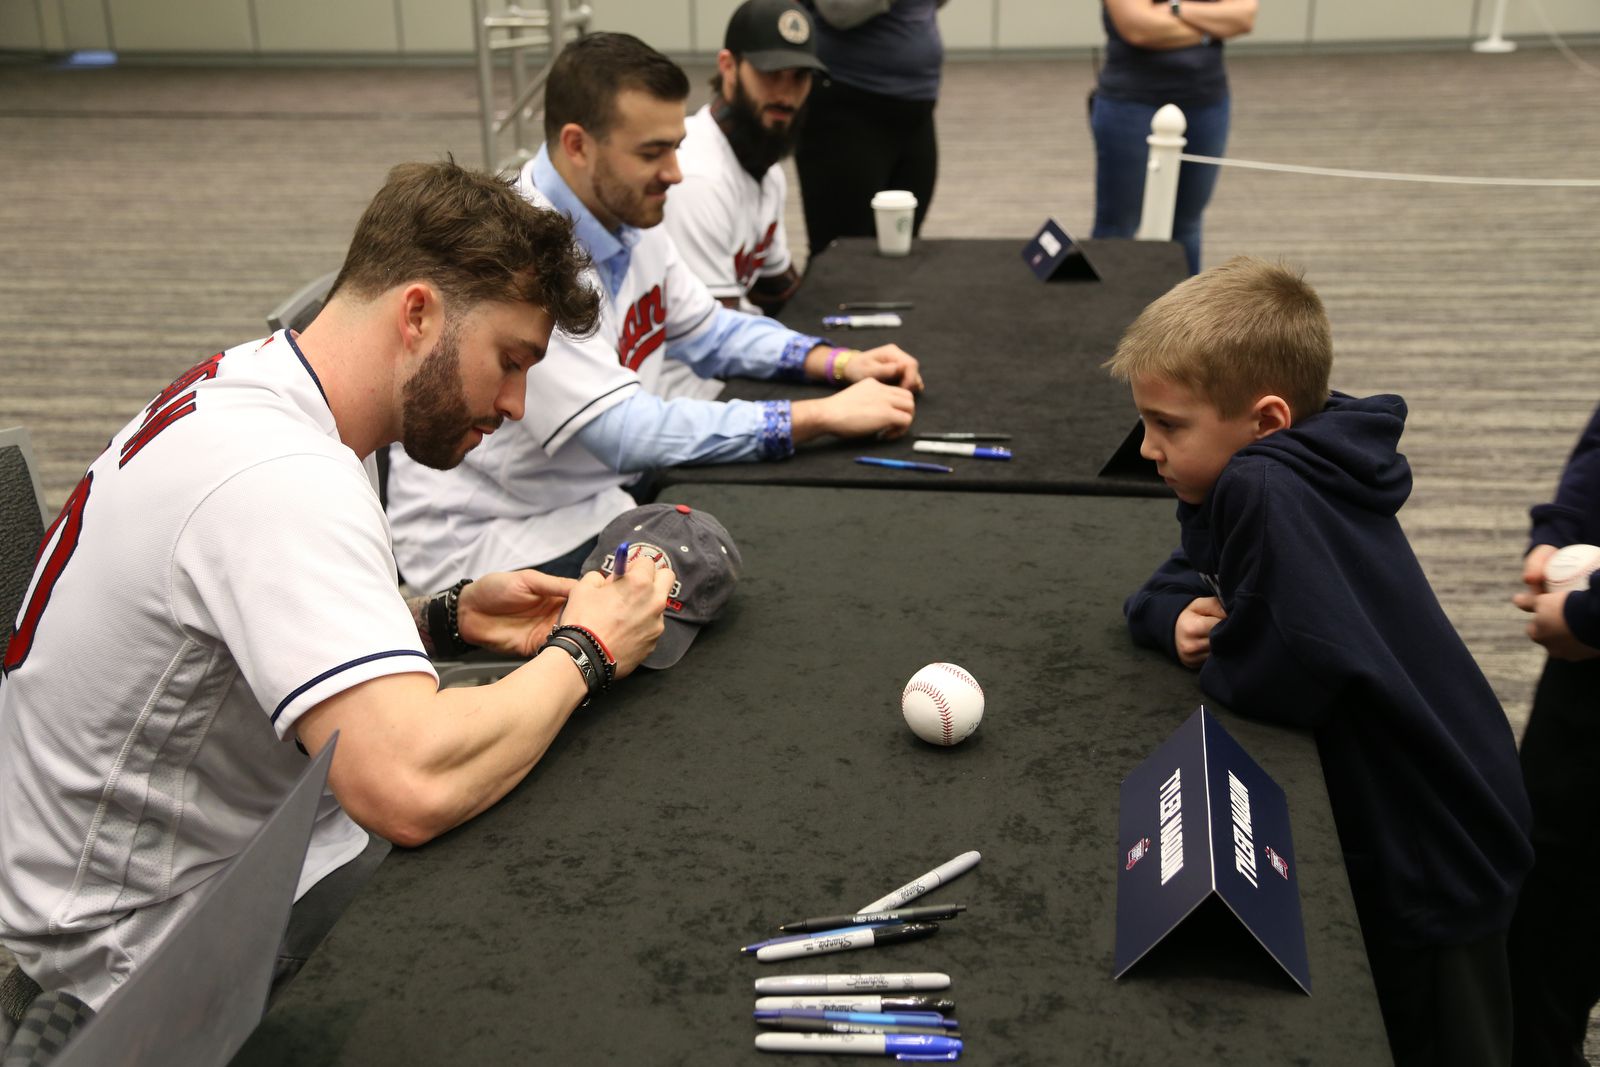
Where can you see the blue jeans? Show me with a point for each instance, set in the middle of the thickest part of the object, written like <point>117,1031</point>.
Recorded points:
<point>1120,128</point>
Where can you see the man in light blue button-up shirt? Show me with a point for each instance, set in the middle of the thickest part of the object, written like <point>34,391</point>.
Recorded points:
<point>539,491</point>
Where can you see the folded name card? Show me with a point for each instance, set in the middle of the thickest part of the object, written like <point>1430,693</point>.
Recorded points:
<point>1200,818</point>
<point>1054,256</point>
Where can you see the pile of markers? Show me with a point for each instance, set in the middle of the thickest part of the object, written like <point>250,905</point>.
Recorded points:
<point>850,1013</point>
<point>858,1014</point>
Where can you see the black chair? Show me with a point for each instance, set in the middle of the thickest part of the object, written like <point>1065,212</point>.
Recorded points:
<point>297,312</point>
<point>22,524</point>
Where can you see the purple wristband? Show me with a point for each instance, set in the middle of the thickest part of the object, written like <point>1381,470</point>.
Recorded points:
<point>833,354</point>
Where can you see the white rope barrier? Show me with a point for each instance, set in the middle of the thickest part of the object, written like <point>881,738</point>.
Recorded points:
<point>1391,176</point>
<point>1167,142</point>
<point>1561,46</point>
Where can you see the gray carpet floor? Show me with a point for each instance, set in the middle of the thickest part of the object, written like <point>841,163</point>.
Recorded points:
<point>151,215</point>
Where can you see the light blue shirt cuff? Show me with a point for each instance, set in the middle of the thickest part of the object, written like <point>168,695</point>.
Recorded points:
<point>645,431</point>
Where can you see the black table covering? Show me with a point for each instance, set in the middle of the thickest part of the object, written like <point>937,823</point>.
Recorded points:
<point>1001,352</point>
<point>594,916</point>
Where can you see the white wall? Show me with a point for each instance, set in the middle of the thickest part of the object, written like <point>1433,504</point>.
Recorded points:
<point>432,27</point>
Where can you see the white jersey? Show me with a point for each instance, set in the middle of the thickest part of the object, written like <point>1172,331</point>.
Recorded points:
<point>223,567</point>
<point>728,226</point>
<point>520,498</point>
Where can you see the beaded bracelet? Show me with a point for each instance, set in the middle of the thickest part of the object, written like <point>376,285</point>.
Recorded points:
<point>443,619</point>
<point>611,660</point>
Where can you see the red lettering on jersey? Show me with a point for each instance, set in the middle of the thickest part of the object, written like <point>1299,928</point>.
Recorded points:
<point>169,406</point>
<point>644,328</point>
<point>70,524</point>
<point>203,371</point>
<point>154,423</point>
<point>747,264</point>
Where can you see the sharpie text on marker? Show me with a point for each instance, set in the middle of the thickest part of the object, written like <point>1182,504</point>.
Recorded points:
<point>927,883</point>
<point>799,984</point>
<point>855,1002</point>
<point>821,931</point>
<point>860,937</point>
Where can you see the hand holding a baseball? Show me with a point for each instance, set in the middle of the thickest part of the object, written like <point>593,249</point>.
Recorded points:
<point>1192,632</point>
<point>1549,625</point>
<point>1533,565</point>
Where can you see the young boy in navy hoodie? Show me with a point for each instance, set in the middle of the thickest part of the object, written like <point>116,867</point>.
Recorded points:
<point>1298,599</point>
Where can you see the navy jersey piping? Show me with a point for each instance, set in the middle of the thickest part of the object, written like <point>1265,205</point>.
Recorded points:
<point>288,336</point>
<point>557,431</point>
<point>325,675</point>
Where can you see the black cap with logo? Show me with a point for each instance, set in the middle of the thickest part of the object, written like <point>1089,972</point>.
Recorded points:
<point>773,35</point>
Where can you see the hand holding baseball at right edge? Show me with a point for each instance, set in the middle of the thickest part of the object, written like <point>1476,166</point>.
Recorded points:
<point>1548,627</point>
<point>1533,565</point>
<point>1192,632</point>
<point>624,612</point>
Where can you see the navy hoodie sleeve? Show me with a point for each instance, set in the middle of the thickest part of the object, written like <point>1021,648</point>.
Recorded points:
<point>1153,611</point>
<point>1574,516</point>
<point>1582,614</point>
<point>1254,667</point>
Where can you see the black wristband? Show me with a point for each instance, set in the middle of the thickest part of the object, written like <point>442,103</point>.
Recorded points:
<point>586,639</point>
<point>444,627</point>
<point>589,664</point>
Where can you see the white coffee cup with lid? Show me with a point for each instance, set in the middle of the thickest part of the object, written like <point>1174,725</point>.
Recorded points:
<point>893,211</point>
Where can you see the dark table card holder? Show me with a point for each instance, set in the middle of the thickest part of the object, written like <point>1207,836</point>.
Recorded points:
<point>1053,256</point>
<point>1126,462</point>
<point>1200,818</point>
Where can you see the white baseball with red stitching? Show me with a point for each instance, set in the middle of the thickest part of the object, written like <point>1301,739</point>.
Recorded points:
<point>1570,568</point>
<point>942,704</point>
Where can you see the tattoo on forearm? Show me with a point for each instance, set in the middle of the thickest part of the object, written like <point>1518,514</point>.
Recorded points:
<point>418,606</point>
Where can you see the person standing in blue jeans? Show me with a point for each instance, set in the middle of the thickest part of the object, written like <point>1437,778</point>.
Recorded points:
<point>1161,52</point>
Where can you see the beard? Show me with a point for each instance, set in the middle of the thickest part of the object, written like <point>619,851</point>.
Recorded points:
<point>757,145</point>
<point>624,202</point>
<point>434,405</point>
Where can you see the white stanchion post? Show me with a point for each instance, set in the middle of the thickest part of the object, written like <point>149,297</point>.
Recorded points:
<point>1166,141</point>
<point>1494,42</point>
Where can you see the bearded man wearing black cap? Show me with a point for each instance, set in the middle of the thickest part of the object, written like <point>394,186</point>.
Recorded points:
<point>726,216</point>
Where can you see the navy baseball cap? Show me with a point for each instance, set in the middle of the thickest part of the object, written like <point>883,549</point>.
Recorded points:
<point>699,551</point>
<point>773,35</point>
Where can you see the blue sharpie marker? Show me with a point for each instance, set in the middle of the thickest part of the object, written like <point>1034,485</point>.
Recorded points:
<point>955,448</point>
<point>904,464</point>
<point>749,949</point>
<point>906,1047</point>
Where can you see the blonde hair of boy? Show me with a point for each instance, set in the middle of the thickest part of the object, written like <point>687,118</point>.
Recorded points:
<point>1234,333</point>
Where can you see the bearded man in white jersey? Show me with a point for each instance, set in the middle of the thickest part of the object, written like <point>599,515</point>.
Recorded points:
<point>218,596</point>
<point>600,411</point>
<point>726,216</point>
